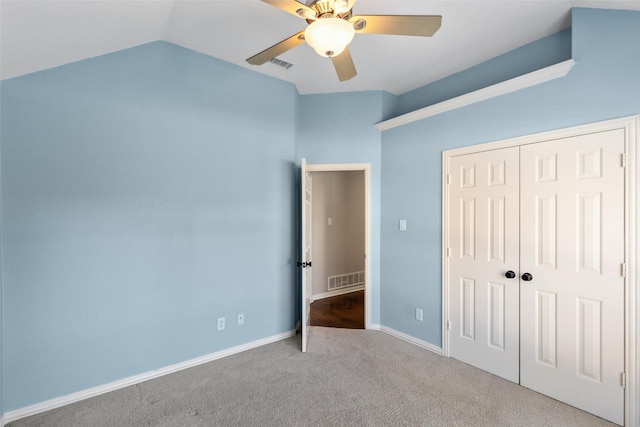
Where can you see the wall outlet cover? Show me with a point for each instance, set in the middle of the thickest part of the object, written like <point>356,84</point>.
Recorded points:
<point>221,323</point>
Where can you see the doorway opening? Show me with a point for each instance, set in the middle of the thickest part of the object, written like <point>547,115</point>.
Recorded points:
<point>307,261</point>
<point>338,247</point>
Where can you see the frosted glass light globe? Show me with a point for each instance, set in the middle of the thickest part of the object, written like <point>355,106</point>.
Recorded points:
<point>329,36</point>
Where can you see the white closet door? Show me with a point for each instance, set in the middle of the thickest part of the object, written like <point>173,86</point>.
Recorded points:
<point>483,302</point>
<point>572,244</point>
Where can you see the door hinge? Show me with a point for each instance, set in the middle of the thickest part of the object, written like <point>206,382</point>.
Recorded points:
<point>623,160</point>
<point>623,269</point>
<point>448,178</point>
<point>448,252</point>
<point>448,326</point>
<point>623,379</point>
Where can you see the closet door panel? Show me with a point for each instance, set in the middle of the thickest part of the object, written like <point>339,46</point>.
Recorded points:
<point>484,304</point>
<point>572,244</point>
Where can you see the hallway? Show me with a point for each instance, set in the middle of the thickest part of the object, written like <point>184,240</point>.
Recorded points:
<point>342,311</point>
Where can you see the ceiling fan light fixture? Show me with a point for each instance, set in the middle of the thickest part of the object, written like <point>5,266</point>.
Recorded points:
<point>306,13</point>
<point>341,6</point>
<point>329,36</point>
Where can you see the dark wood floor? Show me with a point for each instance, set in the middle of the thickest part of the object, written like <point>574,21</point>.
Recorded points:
<point>343,311</point>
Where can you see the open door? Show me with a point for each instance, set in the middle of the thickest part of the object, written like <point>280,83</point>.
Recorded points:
<point>305,256</point>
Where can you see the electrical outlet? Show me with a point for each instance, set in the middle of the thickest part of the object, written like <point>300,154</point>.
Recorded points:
<point>419,314</point>
<point>221,322</point>
<point>240,319</point>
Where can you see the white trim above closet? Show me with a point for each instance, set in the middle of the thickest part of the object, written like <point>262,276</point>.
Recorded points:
<point>527,80</point>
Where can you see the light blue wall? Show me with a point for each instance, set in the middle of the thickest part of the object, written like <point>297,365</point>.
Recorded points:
<point>145,193</point>
<point>528,58</point>
<point>603,85</point>
<point>339,128</point>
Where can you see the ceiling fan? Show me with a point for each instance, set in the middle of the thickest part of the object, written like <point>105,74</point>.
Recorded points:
<point>332,25</point>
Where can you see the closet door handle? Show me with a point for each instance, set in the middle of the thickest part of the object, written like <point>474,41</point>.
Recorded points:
<point>527,277</point>
<point>510,274</point>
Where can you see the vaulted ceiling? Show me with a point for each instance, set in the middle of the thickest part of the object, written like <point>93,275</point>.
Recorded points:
<point>36,35</point>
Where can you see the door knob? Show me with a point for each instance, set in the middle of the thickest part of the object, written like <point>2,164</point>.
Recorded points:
<point>527,277</point>
<point>510,274</point>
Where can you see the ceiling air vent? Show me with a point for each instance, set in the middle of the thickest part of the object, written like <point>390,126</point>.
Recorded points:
<point>283,65</point>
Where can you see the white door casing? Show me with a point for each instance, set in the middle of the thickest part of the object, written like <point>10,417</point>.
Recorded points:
<point>572,244</point>
<point>306,255</point>
<point>484,310</point>
<point>582,341</point>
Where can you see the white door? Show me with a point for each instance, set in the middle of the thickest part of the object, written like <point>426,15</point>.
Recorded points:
<point>305,257</point>
<point>567,235</point>
<point>483,261</point>
<point>572,246</point>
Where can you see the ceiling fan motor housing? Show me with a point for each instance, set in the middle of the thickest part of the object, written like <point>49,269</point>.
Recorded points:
<point>327,9</point>
<point>323,8</point>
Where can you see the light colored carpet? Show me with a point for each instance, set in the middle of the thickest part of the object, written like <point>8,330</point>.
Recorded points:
<point>348,378</point>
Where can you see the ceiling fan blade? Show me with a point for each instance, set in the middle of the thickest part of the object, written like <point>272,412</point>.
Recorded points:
<point>293,7</point>
<point>405,25</point>
<point>277,49</point>
<point>344,65</point>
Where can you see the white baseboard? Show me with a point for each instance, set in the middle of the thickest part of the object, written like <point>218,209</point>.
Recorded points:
<point>126,382</point>
<point>412,340</point>
<point>336,292</point>
<point>374,327</point>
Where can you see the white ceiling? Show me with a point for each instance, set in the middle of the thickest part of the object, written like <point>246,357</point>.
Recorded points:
<point>36,35</point>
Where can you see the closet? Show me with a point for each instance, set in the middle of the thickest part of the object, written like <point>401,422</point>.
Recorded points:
<point>535,264</point>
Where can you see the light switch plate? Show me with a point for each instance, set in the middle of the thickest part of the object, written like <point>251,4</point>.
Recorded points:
<point>403,225</point>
